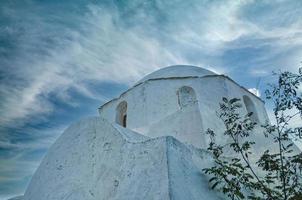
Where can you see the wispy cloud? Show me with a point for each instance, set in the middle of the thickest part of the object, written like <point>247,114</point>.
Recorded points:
<point>104,47</point>
<point>20,155</point>
<point>98,51</point>
<point>52,50</point>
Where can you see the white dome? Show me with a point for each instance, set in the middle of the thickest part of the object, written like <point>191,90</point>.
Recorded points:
<point>177,71</point>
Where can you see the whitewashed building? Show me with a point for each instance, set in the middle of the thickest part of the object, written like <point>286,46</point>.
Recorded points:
<point>147,144</point>
<point>180,101</point>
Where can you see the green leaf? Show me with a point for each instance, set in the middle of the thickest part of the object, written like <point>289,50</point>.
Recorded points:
<point>214,185</point>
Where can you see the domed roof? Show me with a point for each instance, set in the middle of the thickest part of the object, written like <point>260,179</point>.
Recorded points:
<point>177,71</point>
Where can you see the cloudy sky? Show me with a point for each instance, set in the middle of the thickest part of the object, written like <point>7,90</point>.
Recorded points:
<point>60,60</point>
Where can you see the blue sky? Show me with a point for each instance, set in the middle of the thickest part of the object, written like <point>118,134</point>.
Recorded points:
<point>60,60</point>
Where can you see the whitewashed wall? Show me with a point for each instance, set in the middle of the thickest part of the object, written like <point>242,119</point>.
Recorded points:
<point>153,108</point>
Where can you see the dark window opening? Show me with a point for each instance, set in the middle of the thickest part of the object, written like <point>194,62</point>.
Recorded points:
<point>125,121</point>
<point>121,114</point>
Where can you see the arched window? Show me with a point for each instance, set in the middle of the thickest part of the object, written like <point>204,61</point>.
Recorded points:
<point>186,97</point>
<point>121,114</point>
<point>250,107</point>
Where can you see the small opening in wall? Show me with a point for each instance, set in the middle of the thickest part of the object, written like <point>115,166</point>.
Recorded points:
<point>186,97</point>
<point>250,107</point>
<point>121,114</point>
<point>125,121</point>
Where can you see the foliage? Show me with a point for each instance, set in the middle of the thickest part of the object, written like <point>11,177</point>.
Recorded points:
<point>275,175</point>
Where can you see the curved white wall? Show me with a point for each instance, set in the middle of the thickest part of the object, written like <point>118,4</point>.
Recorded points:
<point>153,107</point>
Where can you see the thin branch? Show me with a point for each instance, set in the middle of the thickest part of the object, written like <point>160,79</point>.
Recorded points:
<point>280,149</point>
<point>286,122</point>
<point>250,167</point>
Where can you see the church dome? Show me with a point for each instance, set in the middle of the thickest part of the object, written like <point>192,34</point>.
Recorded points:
<point>177,71</point>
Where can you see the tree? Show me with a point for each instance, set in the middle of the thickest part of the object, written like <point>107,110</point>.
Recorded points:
<point>275,175</point>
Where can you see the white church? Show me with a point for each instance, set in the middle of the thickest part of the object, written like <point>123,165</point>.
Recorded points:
<point>147,144</point>
<point>179,101</point>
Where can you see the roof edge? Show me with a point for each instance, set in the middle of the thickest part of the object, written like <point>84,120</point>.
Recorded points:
<point>185,77</point>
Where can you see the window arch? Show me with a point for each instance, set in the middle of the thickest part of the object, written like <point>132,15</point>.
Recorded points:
<point>186,96</point>
<point>121,114</point>
<point>250,107</point>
